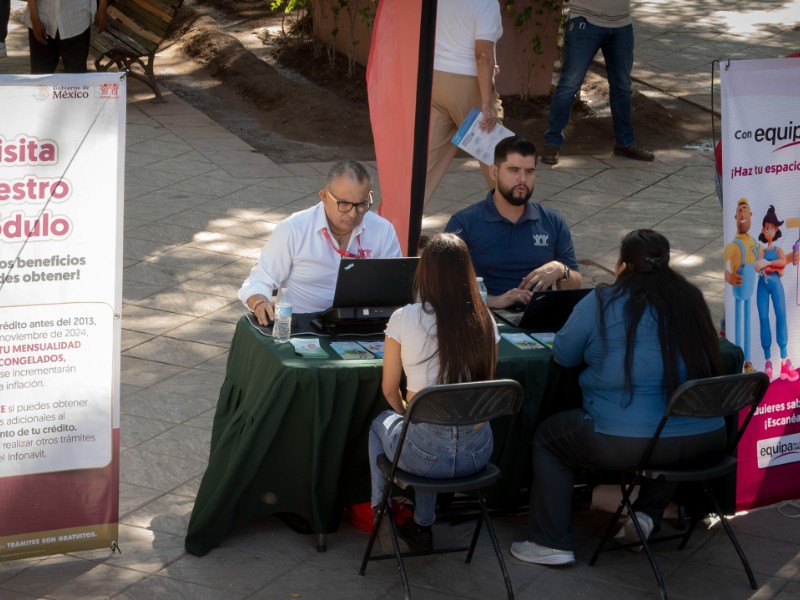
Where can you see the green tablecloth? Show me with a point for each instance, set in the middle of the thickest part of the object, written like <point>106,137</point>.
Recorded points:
<point>290,433</point>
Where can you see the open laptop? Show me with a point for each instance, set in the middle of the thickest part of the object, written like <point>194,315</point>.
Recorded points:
<point>367,292</point>
<point>547,311</point>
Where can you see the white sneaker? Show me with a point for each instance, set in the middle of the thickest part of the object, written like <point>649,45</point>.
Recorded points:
<point>532,552</point>
<point>627,534</point>
<point>3,52</point>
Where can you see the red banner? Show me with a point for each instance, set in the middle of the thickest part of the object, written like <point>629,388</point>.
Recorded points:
<point>392,87</point>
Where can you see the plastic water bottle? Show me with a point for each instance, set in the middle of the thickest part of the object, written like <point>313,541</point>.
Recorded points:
<point>282,329</point>
<point>482,289</point>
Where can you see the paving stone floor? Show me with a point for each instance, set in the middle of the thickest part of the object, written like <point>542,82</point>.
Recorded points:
<point>199,204</point>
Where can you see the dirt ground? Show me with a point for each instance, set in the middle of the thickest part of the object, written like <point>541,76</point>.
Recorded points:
<point>279,93</point>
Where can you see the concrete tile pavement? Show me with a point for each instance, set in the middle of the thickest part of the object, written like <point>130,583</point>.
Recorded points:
<point>199,204</point>
<point>676,42</point>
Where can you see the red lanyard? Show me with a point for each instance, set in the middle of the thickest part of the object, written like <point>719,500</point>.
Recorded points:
<point>339,250</point>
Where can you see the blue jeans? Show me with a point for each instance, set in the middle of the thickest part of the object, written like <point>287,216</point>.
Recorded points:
<point>742,295</point>
<point>430,450</point>
<point>770,286</point>
<point>582,40</point>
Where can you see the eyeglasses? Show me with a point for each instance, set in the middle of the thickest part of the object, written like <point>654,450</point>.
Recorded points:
<point>345,207</point>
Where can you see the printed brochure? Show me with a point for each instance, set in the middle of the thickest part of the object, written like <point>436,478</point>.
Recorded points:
<point>545,338</point>
<point>522,341</point>
<point>473,140</point>
<point>308,348</point>
<point>376,347</point>
<point>351,351</point>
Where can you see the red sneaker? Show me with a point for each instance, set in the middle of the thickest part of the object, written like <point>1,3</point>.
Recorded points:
<point>787,372</point>
<point>768,369</point>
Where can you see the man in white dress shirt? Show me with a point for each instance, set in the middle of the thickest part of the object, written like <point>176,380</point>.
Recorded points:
<point>60,29</point>
<point>304,251</point>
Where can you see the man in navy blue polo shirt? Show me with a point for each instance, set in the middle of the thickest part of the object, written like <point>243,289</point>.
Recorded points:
<point>517,246</point>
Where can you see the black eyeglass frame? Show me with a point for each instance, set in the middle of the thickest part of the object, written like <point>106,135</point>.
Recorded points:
<point>343,206</point>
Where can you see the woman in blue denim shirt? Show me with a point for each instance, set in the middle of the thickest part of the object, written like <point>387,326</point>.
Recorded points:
<point>640,338</point>
<point>448,336</point>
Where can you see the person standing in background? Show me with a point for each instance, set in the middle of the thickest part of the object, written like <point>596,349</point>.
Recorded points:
<point>5,13</point>
<point>463,78</point>
<point>60,29</point>
<point>594,25</point>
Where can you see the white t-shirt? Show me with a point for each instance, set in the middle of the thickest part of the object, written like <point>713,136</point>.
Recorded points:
<point>458,24</point>
<point>415,331</point>
<point>299,257</point>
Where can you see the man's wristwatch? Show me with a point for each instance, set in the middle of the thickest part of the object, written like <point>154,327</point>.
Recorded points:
<point>565,276</point>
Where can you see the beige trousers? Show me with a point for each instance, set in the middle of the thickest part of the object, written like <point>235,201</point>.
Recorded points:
<point>452,99</point>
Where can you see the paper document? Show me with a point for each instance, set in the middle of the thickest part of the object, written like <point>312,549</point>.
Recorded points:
<point>375,347</point>
<point>310,348</point>
<point>545,338</point>
<point>473,140</point>
<point>522,341</point>
<point>351,351</point>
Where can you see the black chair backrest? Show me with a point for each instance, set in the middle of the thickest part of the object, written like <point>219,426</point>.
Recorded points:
<point>465,403</point>
<point>714,397</point>
<point>717,396</point>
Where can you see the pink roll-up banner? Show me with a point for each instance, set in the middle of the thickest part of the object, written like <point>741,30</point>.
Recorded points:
<point>62,142</point>
<point>761,215</point>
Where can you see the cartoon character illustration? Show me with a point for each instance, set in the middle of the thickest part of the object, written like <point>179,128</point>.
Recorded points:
<point>769,267</point>
<point>740,258</point>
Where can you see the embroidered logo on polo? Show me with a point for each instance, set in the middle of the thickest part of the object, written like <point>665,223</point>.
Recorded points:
<point>540,239</point>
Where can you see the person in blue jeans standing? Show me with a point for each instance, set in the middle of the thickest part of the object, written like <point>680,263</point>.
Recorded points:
<point>769,267</point>
<point>594,25</point>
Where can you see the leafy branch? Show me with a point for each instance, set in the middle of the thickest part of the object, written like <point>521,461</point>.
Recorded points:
<point>294,9</point>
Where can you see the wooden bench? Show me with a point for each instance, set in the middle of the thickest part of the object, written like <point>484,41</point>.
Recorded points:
<point>133,33</point>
